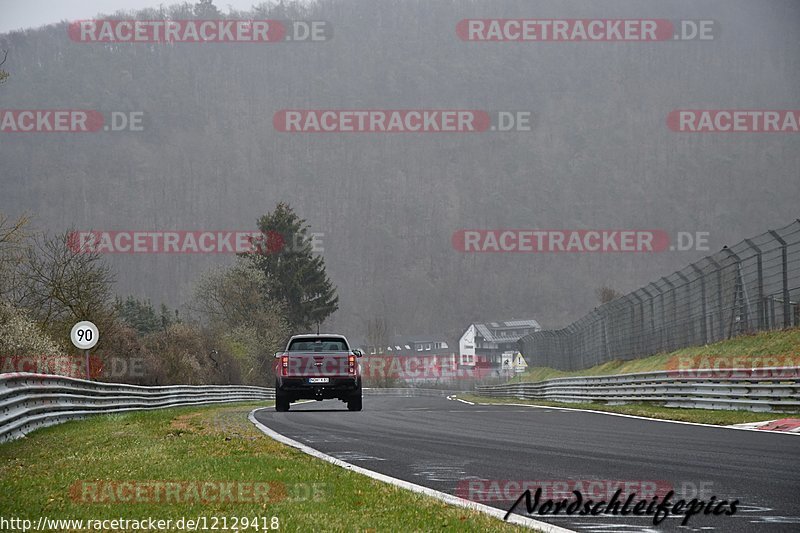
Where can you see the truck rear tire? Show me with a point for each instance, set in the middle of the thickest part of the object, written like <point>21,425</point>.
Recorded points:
<point>281,402</point>
<point>354,403</point>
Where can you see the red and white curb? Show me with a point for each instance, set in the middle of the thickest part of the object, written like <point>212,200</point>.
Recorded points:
<point>787,425</point>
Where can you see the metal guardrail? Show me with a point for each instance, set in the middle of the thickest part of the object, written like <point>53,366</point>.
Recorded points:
<point>32,401</point>
<point>761,389</point>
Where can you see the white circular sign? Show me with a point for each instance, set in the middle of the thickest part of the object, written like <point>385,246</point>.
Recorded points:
<point>84,335</point>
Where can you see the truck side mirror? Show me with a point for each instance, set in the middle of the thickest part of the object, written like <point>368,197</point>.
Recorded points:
<point>277,355</point>
<point>357,352</point>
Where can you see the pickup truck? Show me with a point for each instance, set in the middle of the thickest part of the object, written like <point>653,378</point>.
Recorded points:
<point>317,367</point>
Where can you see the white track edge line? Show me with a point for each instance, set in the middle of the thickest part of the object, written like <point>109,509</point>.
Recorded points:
<point>453,397</point>
<point>419,489</point>
<point>643,418</point>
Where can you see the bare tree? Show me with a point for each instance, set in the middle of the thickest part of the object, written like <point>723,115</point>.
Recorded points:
<point>13,243</point>
<point>232,304</point>
<point>12,231</point>
<point>228,296</point>
<point>378,338</point>
<point>377,332</point>
<point>3,74</point>
<point>60,284</point>
<point>606,294</point>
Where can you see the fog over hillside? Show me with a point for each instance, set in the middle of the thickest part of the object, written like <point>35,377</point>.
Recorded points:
<point>599,154</point>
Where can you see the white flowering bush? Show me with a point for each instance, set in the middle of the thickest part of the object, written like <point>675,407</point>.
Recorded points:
<point>22,337</point>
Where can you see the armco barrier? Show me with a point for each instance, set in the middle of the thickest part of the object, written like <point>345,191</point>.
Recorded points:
<point>761,389</point>
<point>31,401</point>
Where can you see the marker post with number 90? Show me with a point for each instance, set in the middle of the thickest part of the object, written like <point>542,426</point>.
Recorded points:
<point>84,336</point>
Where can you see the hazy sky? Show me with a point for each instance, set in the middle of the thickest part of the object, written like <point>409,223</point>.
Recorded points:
<point>17,14</point>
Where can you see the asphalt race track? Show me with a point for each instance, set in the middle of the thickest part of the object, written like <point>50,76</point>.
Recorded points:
<point>439,443</point>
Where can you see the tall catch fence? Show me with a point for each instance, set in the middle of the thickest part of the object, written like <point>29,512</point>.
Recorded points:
<point>752,286</point>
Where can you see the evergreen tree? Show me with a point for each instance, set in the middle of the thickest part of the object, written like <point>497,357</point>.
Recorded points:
<point>294,275</point>
<point>138,314</point>
<point>205,9</point>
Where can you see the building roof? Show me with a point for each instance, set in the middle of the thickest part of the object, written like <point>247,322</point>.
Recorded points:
<point>501,331</point>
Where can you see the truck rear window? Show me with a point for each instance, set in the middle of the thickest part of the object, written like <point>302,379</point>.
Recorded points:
<point>321,344</point>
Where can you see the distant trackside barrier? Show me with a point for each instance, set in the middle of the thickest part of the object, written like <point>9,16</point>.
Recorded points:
<point>762,389</point>
<point>31,401</point>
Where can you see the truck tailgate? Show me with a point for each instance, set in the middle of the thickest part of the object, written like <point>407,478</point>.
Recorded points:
<point>318,364</point>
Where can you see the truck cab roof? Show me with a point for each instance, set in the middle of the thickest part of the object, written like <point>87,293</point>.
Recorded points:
<point>313,335</point>
<point>321,342</point>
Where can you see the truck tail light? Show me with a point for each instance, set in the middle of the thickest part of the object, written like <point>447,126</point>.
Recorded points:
<point>351,364</point>
<point>285,365</point>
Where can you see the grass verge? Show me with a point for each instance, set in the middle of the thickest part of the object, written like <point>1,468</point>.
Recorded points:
<point>719,417</point>
<point>78,470</point>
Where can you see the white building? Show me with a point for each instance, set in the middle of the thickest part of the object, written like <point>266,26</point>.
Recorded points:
<point>483,344</point>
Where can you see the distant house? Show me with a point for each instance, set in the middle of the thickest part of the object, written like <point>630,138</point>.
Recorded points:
<point>410,359</point>
<point>401,346</point>
<point>489,344</point>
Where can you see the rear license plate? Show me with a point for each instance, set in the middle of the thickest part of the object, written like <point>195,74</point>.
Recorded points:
<point>319,380</point>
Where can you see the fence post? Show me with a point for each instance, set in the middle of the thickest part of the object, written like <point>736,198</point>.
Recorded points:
<point>760,273</point>
<point>663,319</point>
<point>652,299</point>
<point>640,342</point>
<point>567,356</point>
<point>674,325</point>
<point>702,279</point>
<point>721,313</point>
<point>787,315</point>
<point>603,312</point>
<point>738,286</point>
<point>686,282</point>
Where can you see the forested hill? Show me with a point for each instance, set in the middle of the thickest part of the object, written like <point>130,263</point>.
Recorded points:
<point>600,154</point>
